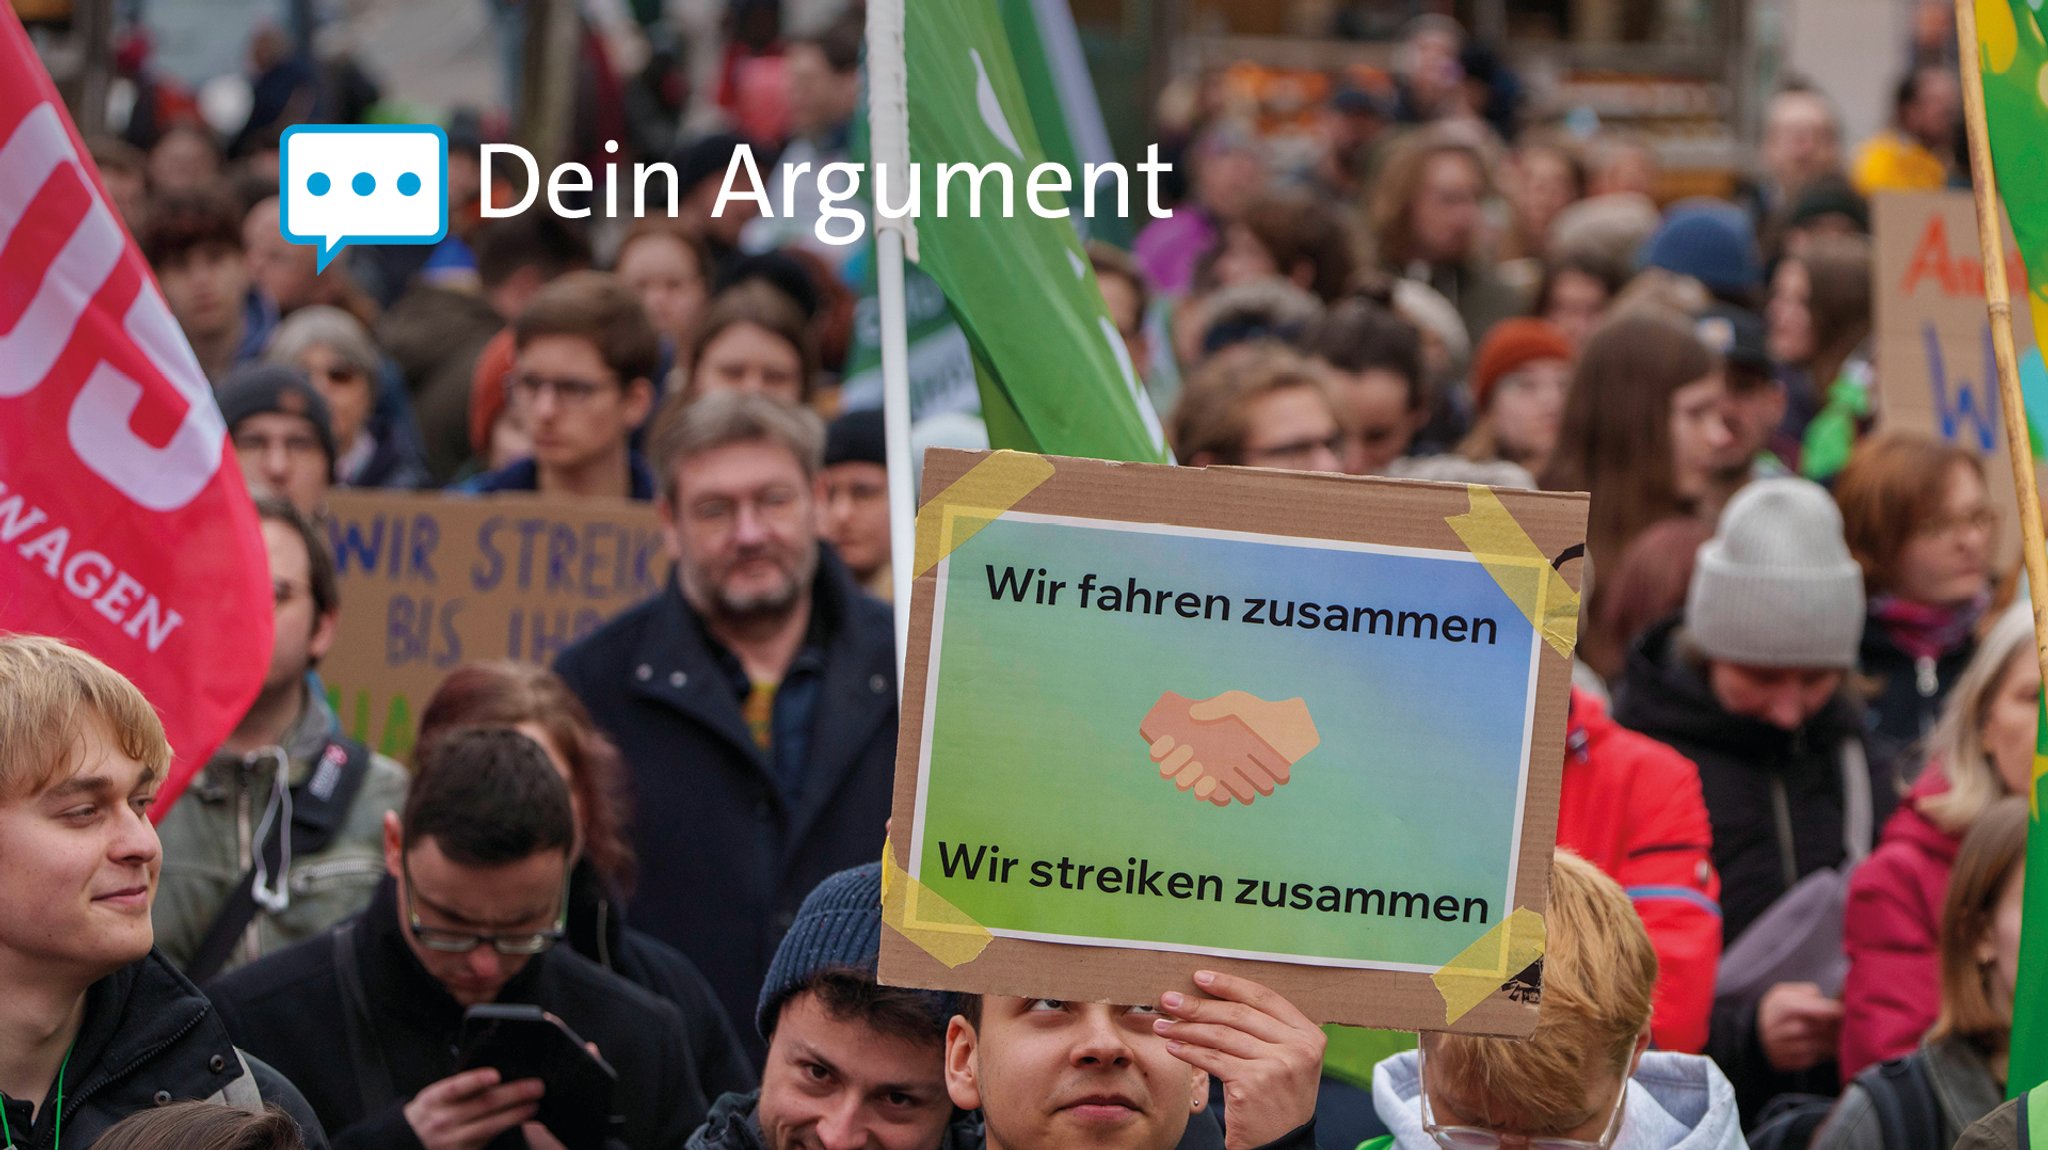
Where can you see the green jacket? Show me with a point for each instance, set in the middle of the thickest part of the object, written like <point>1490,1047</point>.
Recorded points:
<point>209,838</point>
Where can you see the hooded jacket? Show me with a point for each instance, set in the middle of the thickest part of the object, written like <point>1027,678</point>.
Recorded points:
<point>1631,806</point>
<point>1891,929</point>
<point>1774,797</point>
<point>1908,693</point>
<point>149,1038</point>
<point>1675,1102</point>
<point>210,835</point>
<point>291,1009</point>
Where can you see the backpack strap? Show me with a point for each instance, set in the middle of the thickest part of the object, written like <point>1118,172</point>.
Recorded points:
<point>358,1028</point>
<point>316,810</point>
<point>1902,1095</point>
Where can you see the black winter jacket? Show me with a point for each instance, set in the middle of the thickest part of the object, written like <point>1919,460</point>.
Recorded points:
<point>149,1038</point>
<point>1744,765</point>
<point>598,932</point>
<point>290,1009</point>
<point>726,857</point>
<point>1908,695</point>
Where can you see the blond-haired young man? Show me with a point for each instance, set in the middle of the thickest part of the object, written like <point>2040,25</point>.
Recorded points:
<point>1587,1075</point>
<point>94,1024</point>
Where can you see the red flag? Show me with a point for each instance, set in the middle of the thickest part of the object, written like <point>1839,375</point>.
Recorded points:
<point>124,524</point>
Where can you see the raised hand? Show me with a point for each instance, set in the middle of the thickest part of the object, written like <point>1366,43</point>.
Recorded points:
<point>1233,747</point>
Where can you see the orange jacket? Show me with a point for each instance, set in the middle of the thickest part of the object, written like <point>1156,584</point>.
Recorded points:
<point>1632,806</point>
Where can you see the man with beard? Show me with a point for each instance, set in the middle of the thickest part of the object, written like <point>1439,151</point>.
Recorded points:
<point>754,698</point>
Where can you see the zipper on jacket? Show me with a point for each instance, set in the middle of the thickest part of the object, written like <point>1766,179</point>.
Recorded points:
<point>92,1086</point>
<point>1924,678</point>
<point>1781,814</point>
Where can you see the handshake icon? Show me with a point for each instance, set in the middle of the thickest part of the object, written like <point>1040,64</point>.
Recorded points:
<point>1233,747</point>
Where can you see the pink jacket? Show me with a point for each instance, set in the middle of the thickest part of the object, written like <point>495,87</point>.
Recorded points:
<point>1891,930</point>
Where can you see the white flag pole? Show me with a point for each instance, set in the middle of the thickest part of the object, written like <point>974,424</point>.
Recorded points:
<point>889,142</point>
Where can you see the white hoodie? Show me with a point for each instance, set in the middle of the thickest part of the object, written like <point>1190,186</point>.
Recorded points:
<point>1675,1102</point>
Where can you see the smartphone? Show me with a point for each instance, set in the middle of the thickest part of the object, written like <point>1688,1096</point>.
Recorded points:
<point>522,1041</point>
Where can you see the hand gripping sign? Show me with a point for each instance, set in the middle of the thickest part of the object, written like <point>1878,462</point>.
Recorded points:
<point>354,184</point>
<point>123,528</point>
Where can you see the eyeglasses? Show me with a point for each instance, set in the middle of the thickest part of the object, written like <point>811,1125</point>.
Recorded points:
<point>1949,526</point>
<point>445,941</point>
<point>774,504</point>
<point>1481,1138</point>
<point>571,392</point>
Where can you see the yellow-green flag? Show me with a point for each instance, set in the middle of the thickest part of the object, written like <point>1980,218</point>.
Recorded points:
<point>2012,54</point>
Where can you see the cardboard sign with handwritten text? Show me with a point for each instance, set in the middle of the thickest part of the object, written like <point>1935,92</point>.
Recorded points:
<point>1935,371</point>
<point>432,581</point>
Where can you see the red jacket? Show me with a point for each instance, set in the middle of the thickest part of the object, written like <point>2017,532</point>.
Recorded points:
<point>1632,807</point>
<point>1891,929</point>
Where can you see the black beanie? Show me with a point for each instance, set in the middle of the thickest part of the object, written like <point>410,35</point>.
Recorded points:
<point>275,389</point>
<point>857,437</point>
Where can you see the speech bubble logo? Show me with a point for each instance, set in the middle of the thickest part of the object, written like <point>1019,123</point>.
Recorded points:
<point>353,184</point>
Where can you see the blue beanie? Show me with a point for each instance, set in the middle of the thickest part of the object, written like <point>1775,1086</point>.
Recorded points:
<point>838,928</point>
<point>1711,241</point>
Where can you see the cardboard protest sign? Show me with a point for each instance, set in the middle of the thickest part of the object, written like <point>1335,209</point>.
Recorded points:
<point>1935,368</point>
<point>1306,727</point>
<point>432,581</point>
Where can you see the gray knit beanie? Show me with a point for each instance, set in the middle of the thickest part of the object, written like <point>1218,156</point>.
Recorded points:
<point>1775,586</point>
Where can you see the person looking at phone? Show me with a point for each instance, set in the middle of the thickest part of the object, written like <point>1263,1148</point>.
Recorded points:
<point>367,1017</point>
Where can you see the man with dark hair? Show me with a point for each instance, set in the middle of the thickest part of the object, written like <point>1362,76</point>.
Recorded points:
<point>753,698</point>
<point>853,498</point>
<point>850,1063</point>
<point>474,903</point>
<point>583,374</point>
<point>193,241</point>
<point>1376,362</point>
<point>280,835</point>
<point>283,432</point>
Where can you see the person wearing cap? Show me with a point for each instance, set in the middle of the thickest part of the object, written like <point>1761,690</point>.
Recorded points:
<point>283,432</point>
<point>1751,682</point>
<point>850,1063</point>
<point>853,498</point>
<point>1756,402</point>
<point>280,835</point>
<point>1519,384</point>
<point>1713,242</point>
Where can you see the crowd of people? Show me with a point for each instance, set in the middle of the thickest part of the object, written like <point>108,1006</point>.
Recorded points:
<point>1785,902</point>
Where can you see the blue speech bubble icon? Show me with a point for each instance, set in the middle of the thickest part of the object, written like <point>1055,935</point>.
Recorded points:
<point>341,184</point>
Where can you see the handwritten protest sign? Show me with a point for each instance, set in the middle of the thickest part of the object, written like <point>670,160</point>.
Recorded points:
<point>1304,726</point>
<point>432,581</point>
<point>1935,369</point>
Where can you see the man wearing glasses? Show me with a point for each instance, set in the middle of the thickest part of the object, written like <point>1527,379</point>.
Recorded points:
<point>753,697</point>
<point>582,376</point>
<point>1586,1079</point>
<point>280,835</point>
<point>366,1018</point>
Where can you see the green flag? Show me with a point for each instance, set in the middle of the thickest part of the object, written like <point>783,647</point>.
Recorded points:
<point>1054,375</point>
<point>1061,96</point>
<point>2012,54</point>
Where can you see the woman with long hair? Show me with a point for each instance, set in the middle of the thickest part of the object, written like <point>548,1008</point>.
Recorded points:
<point>1958,1071</point>
<point>1642,432</point>
<point>1427,217</point>
<point>535,702</point>
<point>1982,750</point>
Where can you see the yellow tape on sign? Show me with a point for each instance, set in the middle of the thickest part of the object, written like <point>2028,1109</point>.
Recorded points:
<point>916,912</point>
<point>1485,966</point>
<point>1491,533</point>
<point>974,500</point>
